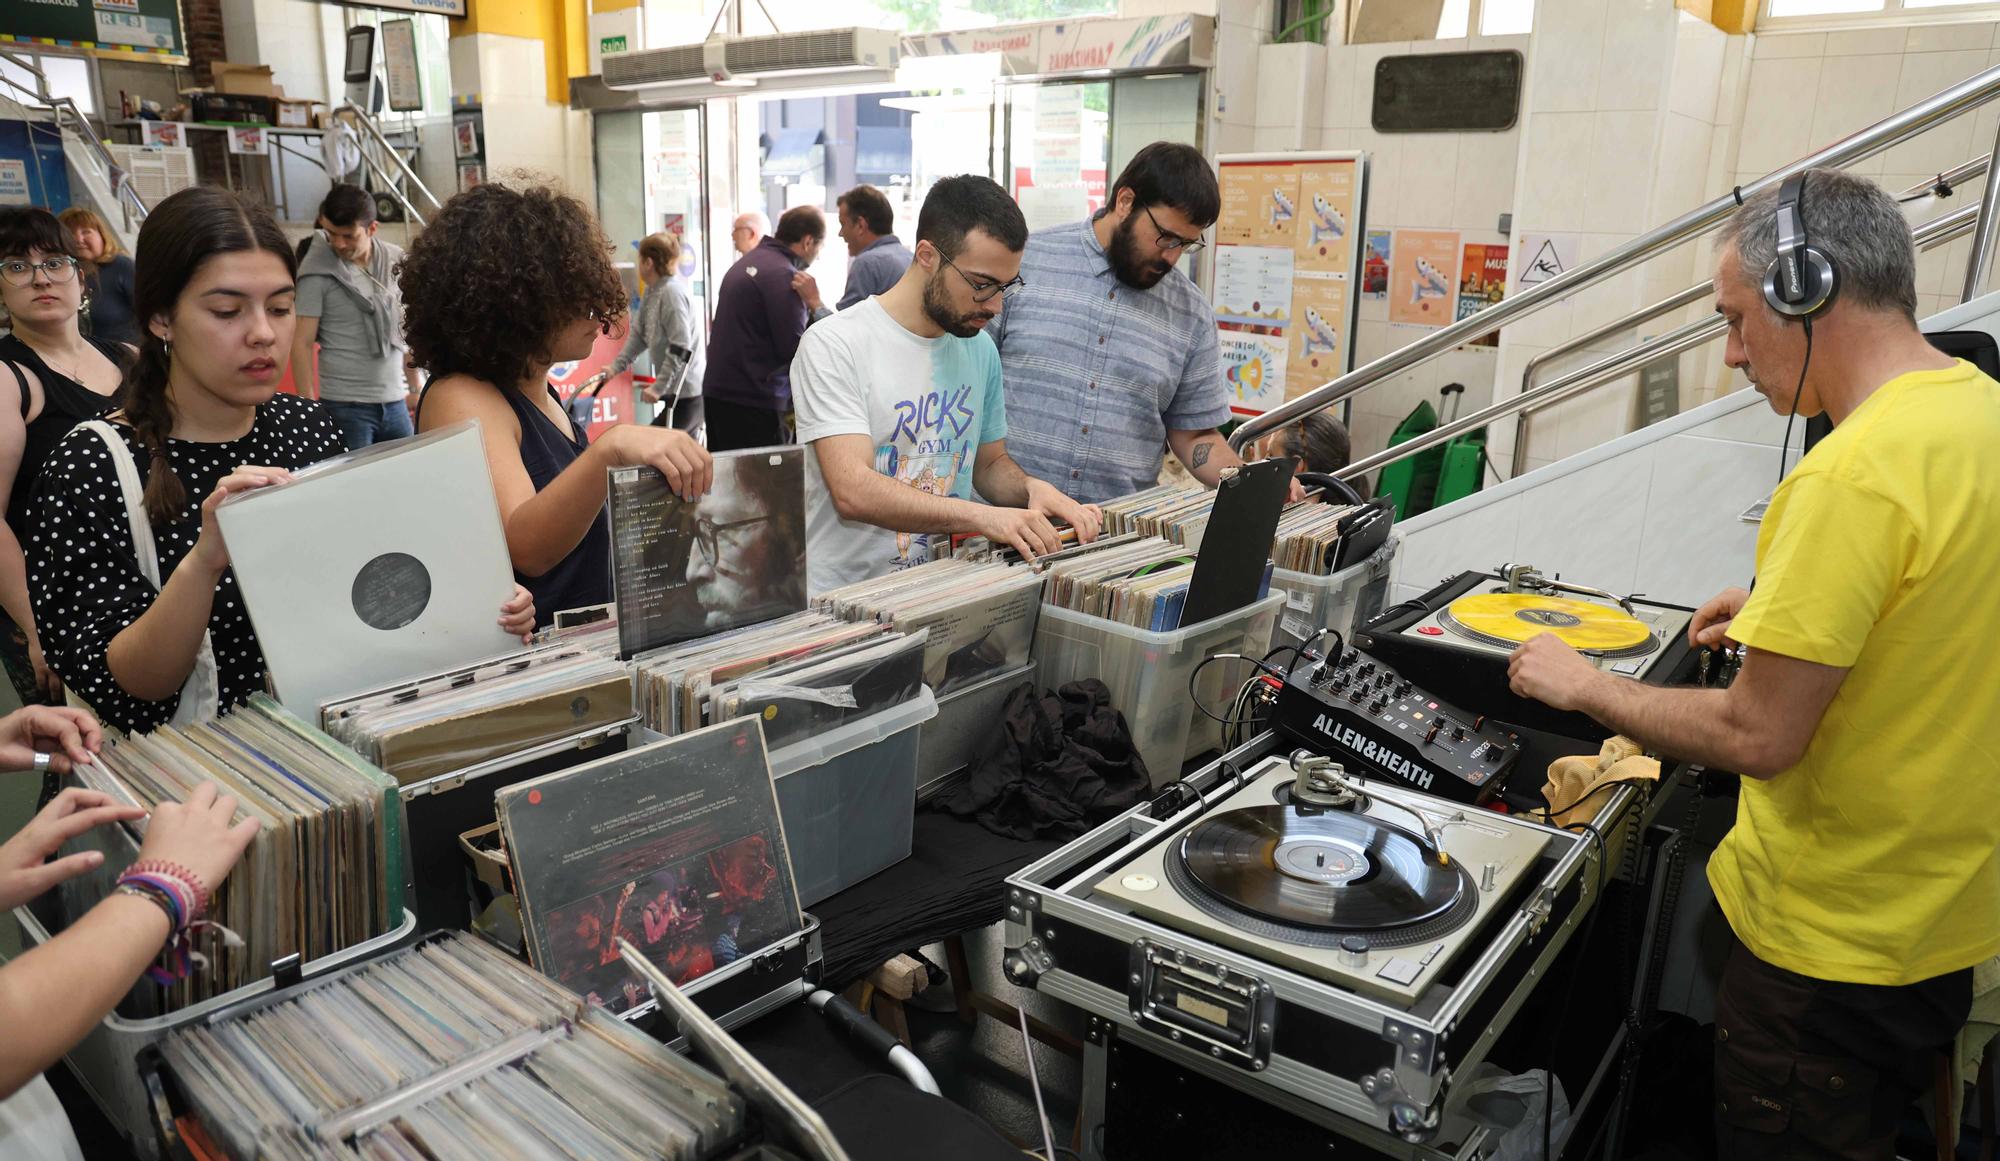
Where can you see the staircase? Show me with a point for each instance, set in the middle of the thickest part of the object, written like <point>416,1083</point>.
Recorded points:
<point>94,176</point>
<point>1662,509</point>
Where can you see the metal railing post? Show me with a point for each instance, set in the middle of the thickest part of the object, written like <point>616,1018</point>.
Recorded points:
<point>1980,263</point>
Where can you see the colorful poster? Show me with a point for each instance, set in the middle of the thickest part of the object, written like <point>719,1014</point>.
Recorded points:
<point>1543,256</point>
<point>1254,367</point>
<point>1253,286</point>
<point>465,139</point>
<point>1327,214</point>
<point>1375,266</point>
<point>1319,338</point>
<point>249,140</point>
<point>1259,202</point>
<point>1482,281</point>
<point>1423,277</point>
<point>160,133</point>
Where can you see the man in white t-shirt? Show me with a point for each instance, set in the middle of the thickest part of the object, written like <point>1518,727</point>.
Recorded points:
<point>900,399</point>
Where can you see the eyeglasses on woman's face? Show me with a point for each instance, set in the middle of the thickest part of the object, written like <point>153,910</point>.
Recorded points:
<point>21,272</point>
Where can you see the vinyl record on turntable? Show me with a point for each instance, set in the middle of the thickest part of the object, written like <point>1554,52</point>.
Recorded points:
<point>1331,872</point>
<point>1514,618</point>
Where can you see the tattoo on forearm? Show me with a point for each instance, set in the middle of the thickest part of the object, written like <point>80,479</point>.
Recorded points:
<point>1202,451</point>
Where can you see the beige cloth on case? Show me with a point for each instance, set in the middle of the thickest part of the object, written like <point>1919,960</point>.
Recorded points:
<point>1574,779</point>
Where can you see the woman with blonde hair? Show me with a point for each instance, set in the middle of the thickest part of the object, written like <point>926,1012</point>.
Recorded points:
<point>107,278</point>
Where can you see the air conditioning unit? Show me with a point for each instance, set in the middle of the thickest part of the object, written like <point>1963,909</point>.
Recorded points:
<point>794,59</point>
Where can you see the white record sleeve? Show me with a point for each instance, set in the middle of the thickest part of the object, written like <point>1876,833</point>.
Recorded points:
<point>373,566</point>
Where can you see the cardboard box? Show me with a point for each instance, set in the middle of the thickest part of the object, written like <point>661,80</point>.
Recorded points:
<point>293,114</point>
<point>247,80</point>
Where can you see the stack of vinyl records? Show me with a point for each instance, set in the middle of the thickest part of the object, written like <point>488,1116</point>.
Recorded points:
<point>800,675</point>
<point>980,616</point>
<point>325,871</point>
<point>1307,540</point>
<point>1141,581</point>
<point>444,1051</point>
<point>448,722</point>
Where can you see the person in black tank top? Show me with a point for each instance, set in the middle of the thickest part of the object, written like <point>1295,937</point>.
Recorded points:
<point>486,322</point>
<point>53,378</point>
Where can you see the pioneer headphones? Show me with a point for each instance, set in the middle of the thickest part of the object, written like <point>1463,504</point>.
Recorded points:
<point>1801,279</point>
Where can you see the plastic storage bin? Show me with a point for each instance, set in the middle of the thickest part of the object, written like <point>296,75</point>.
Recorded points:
<point>106,1062</point>
<point>966,723</point>
<point>1340,601</point>
<point>1148,673</point>
<point>848,797</point>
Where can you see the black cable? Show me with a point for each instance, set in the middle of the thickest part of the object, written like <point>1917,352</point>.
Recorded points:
<point>1195,677</point>
<point>1798,393</point>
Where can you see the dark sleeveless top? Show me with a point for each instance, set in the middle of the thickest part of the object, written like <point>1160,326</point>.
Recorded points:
<point>584,576</point>
<point>65,403</point>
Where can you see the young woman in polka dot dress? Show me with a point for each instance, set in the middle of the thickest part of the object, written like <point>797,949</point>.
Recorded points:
<point>202,419</point>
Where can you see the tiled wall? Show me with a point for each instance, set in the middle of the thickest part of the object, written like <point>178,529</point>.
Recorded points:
<point>523,130</point>
<point>1454,181</point>
<point>1833,83</point>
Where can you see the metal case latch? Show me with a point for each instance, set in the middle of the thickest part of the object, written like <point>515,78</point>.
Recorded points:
<point>1200,1003</point>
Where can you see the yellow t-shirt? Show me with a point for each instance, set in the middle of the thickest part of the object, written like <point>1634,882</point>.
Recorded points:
<point>1876,859</point>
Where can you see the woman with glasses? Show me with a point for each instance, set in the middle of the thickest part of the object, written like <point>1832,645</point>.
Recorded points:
<point>130,576</point>
<point>55,378</point>
<point>107,275</point>
<point>504,283</point>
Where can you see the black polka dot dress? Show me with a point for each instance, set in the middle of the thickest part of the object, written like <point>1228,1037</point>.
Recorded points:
<point>83,572</point>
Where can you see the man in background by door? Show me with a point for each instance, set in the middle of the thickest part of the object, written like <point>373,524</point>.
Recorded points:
<point>349,303</point>
<point>1110,349</point>
<point>877,258</point>
<point>748,229</point>
<point>758,321</point>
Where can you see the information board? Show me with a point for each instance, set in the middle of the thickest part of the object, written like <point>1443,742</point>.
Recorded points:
<point>148,30</point>
<point>1287,262</point>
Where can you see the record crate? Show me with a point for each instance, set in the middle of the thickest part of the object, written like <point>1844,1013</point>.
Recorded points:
<point>1147,673</point>
<point>848,797</point>
<point>105,1062</point>
<point>967,724</point>
<point>1339,601</point>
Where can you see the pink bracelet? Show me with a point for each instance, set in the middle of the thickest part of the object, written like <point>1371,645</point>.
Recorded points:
<point>197,891</point>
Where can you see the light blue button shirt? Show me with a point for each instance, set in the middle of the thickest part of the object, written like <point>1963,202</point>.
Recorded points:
<point>1099,372</point>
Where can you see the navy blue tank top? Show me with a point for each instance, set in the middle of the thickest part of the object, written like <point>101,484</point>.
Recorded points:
<point>584,576</point>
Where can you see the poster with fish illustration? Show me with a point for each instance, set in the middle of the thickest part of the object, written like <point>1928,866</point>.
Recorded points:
<point>1423,279</point>
<point>1289,239</point>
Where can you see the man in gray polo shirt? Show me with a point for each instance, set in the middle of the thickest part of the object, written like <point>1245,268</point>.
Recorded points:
<point>876,256</point>
<point>349,304</point>
<point>1109,350</point>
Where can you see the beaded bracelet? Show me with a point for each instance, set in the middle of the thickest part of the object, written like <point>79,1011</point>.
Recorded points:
<point>186,909</point>
<point>198,889</point>
<point>165,901</point>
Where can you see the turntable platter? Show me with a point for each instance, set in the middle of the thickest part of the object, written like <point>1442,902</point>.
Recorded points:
<point>1513,618</point>
<point>1329,872</point>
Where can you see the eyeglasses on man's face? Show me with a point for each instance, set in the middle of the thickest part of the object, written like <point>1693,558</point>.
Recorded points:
<point>983,289</point>
<point>21,272</point>
<point>712,536</point>
<point>1169,241</point>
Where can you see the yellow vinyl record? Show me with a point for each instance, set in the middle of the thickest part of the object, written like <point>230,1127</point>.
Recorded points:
<point>1516,617</point>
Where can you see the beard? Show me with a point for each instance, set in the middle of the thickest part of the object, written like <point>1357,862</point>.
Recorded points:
<point>1131,267</point>
<point>938,308</point>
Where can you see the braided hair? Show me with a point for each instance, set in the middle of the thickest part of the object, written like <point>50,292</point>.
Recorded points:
<point>179,235</point>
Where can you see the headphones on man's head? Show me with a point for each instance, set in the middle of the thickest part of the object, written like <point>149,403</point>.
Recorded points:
<point>1801,280</point>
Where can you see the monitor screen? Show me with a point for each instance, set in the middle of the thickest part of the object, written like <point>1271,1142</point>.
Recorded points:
<point>360,54</point>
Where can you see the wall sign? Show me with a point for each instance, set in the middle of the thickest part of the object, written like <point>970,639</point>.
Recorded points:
<point>454,8</point>
<point>148,30</point>
<point>1287,268</point>
<point>399,64</point>
<point>1447,92</point>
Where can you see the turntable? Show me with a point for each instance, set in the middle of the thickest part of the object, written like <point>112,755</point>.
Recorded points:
<point>1364,886</point>
<point>1457,638</point>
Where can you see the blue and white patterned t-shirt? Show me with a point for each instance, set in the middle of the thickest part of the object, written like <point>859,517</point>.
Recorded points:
<point>1099,372</point>
<point>928,405</point>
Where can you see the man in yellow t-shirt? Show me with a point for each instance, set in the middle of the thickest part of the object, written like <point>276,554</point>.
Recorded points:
<point>1862,877</point>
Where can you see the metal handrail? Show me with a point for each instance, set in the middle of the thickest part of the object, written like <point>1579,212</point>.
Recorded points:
<point>1929,235</point>
<point>1942,106</point>
<point>114,174</point>
<point>368,124</point>
<point>1961,173</point>
<point>1981,261</point>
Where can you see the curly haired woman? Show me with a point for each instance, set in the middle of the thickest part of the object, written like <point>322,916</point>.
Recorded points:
<point>504,283</point>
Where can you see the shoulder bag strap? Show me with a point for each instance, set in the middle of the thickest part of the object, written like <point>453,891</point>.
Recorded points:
<point>200,695</point>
